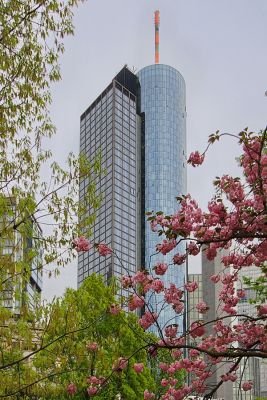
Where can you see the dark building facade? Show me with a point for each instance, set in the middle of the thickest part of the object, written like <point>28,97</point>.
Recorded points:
<point>112,125</point>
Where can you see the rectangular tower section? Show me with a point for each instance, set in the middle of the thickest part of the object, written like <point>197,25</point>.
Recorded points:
<point>112,126</point>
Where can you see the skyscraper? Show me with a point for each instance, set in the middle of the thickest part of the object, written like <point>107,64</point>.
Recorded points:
<point>138,122</point>
<point>164,113</point>
<point>112,125</point>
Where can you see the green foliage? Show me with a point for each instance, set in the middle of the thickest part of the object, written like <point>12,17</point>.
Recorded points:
<point>30,45</point>
<point>38,219</point>
<point>31,42</point>
<point>87,310</point>
<point>259,285</point>
<point>56,343</point>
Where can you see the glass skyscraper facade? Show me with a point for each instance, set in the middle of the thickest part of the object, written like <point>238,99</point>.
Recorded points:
<point>164,108</point>
<point>112,125</point>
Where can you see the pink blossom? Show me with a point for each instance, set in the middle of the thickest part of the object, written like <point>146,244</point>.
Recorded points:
<point>160,268</point>
<point>177,353</point>
<point>173,295</point>
<point>193,353</point>
<point>71,388</point>
<point>171,331</point>
<point>126,282</point>
<point>135,302</point>
<point>211,252</point>
<point>163,366</point>
<point>247,386</point>
<point>197,329</point>
<point>166,246</point>
<point>103,249</point>
<point>173,381</point>
<point>153,225</point>
<point>193,248</point>
<point>164,343</point>
<point>140,277</point>
<point>92,390</point>
<point>120,364</point>
<point>92,346</point>
<point>262,310</point>
<point>195,159</point>
<point>171,369</point>
<point>152,350</point>
<point>157,285</point>
<point>179,259</point>
<point>264,160</point>
<point>81,244</point>
<point>191,286</point>
<point>229,377</point>
<point>228,278</point>
<point>148,319</point>
<point>148,395</point>
<point>178,307</point>
<point>162,220</point>
<point>114,309</point>
<point>217,211</point>
<point>229,310</point>
<point>138,367</point>
<point>93,379</point>
<point>164,382</point>
<point>215,278</point>
<point>202,307</point>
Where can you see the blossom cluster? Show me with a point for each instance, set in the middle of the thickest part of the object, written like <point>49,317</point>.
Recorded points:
<point>232,228</point>
<point>81,244</point>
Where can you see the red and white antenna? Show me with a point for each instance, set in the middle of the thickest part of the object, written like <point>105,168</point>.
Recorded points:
<point>157,37</point>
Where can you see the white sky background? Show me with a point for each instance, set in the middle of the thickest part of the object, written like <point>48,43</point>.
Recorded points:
<point>220,47</point>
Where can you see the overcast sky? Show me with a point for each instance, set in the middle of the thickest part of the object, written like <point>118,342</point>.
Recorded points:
<point>218,46</point>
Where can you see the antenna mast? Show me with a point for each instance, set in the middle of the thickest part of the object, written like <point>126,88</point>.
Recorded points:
<point>157,37</point>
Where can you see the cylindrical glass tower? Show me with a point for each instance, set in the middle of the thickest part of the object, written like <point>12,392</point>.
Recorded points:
<point>163,104</point>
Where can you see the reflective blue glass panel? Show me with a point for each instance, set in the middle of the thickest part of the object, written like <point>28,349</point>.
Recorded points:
<point>163,102</point>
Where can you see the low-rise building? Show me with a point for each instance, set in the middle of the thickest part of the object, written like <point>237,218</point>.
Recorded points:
<point>20,259</point>
<point>254,369</point>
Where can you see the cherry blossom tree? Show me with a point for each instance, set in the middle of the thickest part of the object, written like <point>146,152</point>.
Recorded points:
<point>234,227</point>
